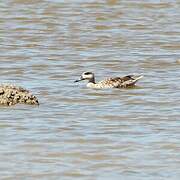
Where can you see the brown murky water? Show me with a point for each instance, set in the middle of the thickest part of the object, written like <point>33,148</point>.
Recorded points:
<point>80,133</point>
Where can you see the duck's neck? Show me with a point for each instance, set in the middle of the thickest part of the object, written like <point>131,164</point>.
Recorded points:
<point>92,80</point>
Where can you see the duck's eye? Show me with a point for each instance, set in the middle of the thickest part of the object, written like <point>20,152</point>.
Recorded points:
<point>87,73</point>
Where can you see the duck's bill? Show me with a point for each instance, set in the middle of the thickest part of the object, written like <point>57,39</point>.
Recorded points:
<point>79,80</point>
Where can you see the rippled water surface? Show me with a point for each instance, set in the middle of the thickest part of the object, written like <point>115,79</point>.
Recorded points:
<point>81,133</point>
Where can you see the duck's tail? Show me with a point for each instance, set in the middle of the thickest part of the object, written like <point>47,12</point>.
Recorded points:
<point>136,78</point>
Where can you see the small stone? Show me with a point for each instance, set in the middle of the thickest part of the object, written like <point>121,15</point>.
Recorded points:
<point>10,95</point>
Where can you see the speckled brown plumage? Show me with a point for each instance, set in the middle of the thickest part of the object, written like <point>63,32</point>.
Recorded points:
<point>11,95</point>
<point>119,82</point>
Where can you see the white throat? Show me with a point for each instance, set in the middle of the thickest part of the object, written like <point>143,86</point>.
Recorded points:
<point>90,85</point>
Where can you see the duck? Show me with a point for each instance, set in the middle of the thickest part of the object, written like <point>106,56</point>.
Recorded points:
<point>116,82</point>
<point>11,95</point>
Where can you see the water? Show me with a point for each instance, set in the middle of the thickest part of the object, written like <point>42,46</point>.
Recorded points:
<point>80,133</point>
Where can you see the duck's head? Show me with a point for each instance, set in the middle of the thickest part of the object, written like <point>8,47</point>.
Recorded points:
<point>86,76</point>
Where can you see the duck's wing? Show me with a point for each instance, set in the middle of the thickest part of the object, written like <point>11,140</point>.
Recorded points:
<point>110,83</point>
<point>129,80</point>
